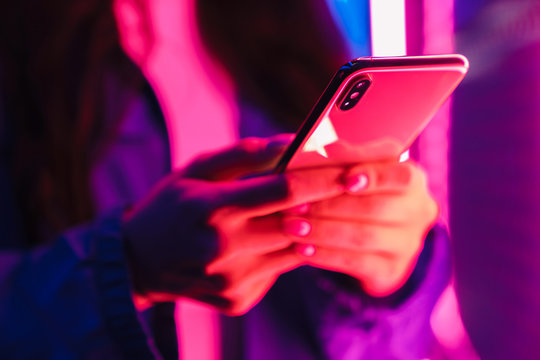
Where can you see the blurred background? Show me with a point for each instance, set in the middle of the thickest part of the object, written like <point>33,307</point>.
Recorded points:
<point>481,151</point>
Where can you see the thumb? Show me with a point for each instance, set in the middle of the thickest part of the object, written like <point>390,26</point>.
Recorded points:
<point>247,156</point>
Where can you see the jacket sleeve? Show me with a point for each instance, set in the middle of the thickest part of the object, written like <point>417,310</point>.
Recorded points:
<point>71,299</point>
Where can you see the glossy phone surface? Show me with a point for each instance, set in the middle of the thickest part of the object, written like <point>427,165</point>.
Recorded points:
<point>373,109</point>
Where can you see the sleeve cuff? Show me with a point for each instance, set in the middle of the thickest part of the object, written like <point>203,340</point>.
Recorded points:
<point>114,289</point>
<point>429,277</point>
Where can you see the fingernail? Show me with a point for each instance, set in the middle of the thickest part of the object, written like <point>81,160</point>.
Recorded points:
<point>297,227</point>
<point>356,183</point>
<point>307,250</point>
<point>299,209</point>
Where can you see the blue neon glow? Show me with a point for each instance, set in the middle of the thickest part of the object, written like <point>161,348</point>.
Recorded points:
<point>352,18</point>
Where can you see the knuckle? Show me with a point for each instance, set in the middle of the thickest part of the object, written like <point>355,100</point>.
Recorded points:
<point>222,216</point>
<point>424,212</point>
<point>413,250</point>
<point>389,279</point>
<point>233,294</point>
<point>362,238</point>
<point>237,308</point>
<point>372,205</point>
<point>293,181</point>
<point>429,210</point>
<point>421,176</point>
<point>293,185</point>
<point>251,145</point>
<point>198,163</point>
<point>311,184</point>
<point>359,169</point>
<point>237,303</point>
<point>433,209</point>
<point>403,173</point>
<point>197,206</point>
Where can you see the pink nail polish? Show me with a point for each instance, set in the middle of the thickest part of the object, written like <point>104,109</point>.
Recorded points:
<point>297,227</point>
<point>307,250</point>
<point>356,183</point>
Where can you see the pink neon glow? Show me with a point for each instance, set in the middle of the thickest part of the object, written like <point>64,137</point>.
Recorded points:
<point>448,328</point>
<point>388,27</point>
<point>325,134</point>
<point>194,94</point>
<point>433,145</point>
<point>132,34</point>
<point>433,150</point>
<point>389,38</point>
<point>199,115</point>
<point>388,32</point>
<point>200,118</point>
<point>198,328</point>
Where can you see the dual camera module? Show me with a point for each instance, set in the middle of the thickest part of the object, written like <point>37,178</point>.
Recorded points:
<point>354,94</point>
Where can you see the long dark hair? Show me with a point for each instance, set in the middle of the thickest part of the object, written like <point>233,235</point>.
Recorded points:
<point>56,57</point>
<point>281,54</point>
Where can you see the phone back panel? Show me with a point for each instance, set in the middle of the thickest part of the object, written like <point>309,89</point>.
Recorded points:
<point>398,101</point>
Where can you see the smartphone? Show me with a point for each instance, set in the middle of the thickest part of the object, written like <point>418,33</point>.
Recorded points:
<point>373,108</point>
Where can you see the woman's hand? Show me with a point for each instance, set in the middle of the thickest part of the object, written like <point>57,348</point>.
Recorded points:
<point>374,232</point>
<point>207,234</point>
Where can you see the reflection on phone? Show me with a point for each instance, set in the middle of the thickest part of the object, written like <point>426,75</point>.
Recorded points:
<point>323,135</point>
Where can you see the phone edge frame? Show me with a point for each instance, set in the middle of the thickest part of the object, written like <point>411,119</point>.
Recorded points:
<point>343,73</point>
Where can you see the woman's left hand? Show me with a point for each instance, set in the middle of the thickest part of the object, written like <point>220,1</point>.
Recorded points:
<point>375,232</point>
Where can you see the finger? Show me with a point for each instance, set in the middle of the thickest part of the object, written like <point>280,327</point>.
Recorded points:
<point>354,236</point>
<point>215,300</point>
<point>263,268</point>
<point>247,285</point>
<point>385,208</point>
<point>243,303</point>
<point>381,209</point>
<point>301,209</point>
<point>382,177</point>
<point>379,273</point>
<point>248,156</point>
<point>237,305</point>
<point>268,194</point>
<point>255,237</point>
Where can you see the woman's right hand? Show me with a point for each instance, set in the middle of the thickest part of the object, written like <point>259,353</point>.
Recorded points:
<point>208,233</point>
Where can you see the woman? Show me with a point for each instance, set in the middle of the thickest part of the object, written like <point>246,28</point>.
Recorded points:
<point>94,225</point>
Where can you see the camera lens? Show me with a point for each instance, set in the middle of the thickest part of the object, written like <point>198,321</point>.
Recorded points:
<point>354,94</point>
<point>361,84</point>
